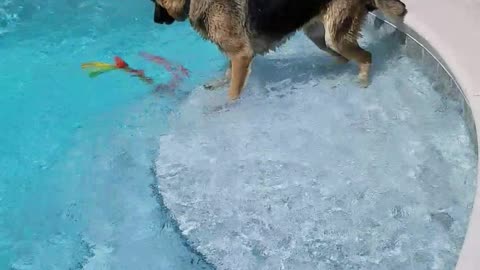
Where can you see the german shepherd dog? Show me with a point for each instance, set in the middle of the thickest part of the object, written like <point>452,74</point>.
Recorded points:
<point>244,28</point>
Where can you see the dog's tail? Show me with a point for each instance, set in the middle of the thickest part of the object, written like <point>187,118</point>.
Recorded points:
<point>395,9</point>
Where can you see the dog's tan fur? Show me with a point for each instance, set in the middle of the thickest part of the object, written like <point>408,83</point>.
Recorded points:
<point>223,22</point>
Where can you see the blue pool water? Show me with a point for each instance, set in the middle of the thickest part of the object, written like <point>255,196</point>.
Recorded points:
<point>76,153</point>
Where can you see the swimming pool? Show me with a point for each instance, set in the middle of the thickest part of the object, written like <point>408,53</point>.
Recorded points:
<point>76,186</point>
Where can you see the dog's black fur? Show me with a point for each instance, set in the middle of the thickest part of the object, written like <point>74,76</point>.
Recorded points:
<point>370,7</point>
<point>277,18</point>
<point>161,15</point>
<point>274,17</point>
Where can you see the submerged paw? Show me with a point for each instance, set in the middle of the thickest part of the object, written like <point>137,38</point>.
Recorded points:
<point>363,82</point>
<point>215,84</point>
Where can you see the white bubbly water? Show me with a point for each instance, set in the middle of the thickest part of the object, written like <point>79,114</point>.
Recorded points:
<point>309,171</point>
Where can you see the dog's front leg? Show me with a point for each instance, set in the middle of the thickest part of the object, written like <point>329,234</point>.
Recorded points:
<point>240,70</point>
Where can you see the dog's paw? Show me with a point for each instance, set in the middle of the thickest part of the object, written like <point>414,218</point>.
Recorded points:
<point>363,81</point>
<point>233,97</point>
<point>215,84</point>
<point>363,75</point>
<point>209,86</point>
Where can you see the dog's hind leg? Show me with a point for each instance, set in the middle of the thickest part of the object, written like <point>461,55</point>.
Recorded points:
<point>352,50</point>
<point>342,27</point>
<point>315,31</point>
<point>220,82</point>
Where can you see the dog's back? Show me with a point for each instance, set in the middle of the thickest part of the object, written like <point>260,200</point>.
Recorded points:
<point>281,17</point>
<point>270,21</point>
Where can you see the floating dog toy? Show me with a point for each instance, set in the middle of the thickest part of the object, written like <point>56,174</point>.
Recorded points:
<point>97,68</point>
<point>178,72</point>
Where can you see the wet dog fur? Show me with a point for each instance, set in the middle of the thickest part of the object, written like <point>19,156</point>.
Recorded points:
<point>245,28</point>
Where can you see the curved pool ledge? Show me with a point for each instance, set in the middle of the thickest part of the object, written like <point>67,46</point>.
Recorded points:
<point>450,32</point>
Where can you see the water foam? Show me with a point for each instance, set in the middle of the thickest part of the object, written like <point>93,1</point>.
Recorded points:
<point>308,171</point>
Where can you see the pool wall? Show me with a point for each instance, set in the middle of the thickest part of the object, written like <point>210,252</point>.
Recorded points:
<point>443,36</point>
